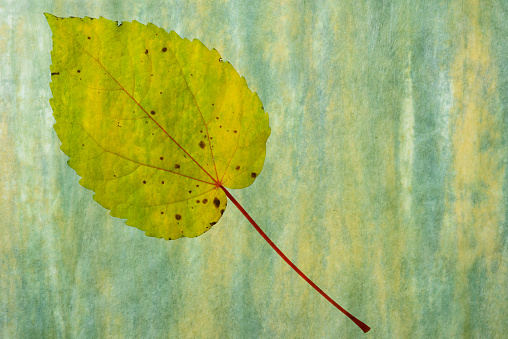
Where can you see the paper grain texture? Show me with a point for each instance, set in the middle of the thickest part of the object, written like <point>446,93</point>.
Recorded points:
<point>385,181</point>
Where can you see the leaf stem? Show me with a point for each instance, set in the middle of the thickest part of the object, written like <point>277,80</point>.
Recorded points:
<point>365,328</point>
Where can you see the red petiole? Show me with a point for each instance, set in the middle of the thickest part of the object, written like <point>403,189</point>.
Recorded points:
<point>365,328</point>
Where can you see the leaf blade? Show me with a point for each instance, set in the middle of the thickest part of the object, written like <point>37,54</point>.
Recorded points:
<point>148,120</point>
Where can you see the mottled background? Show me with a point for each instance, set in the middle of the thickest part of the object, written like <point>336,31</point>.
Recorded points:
<point>385,180</point>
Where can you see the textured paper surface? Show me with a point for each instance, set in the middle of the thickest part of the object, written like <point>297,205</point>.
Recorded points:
<point>385,181</point>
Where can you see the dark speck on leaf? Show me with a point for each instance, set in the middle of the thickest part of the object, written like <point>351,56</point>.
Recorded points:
<point>56,73</point>
<point>79,71</point>
<point>253,174</point>
<point>221,212</point>
<point>178,216</point>
<point>216,202</point>
<point>162,212</point>
<point>144,181</point>
<point>237,168</point>
<point>202,144</point>
<point>205,201</point>
<point>197,201</point>
<point>162,182</point>
<point>152,112</point>
<point>146,51</point>
<point>89,38</point>
<point>177,166</point>
<point>162,158</point>
<point>234,131</point>
<point>164,49</point>
<point>190,192</point>
<point>212,223</point>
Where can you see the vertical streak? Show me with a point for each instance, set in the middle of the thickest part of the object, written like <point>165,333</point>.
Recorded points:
<point>406,140</point>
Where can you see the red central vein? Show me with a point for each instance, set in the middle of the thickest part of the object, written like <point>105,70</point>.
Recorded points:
<point>364,327</point>
<point>148,115</point>
<point>141,164</point>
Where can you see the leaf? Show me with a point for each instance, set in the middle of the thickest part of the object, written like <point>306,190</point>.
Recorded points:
<point>153,123</point>
<point>157,126</point>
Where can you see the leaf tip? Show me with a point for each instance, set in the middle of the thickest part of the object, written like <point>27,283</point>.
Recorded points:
<point>51,19</point>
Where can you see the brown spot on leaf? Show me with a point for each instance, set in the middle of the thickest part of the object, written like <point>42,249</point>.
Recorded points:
<point>177,166</point>
<point>253,174</point>
<point>221,212</point>
<point>162,182</point>
<point>205,201</point>
<point>144,181</point>
<point>202,144</point>
<point>178,217</point>
<point>152,112</point>
<point>146,51</point>
<point>212,223</point>
<point>79,71</point>
<point>197,201</point>
<point>162,158</point>
<point>234,131</point>
<point>216,202</point>
<point>164,49</point>
<point>162,212</point>
<point>56,73</point>
<point>237,168</point>
<point>89,38</point>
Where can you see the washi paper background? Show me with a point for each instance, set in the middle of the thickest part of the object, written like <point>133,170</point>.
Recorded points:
<point>385,181</point>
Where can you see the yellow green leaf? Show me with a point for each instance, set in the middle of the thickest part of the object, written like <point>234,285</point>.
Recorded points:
<point>153,123</point>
